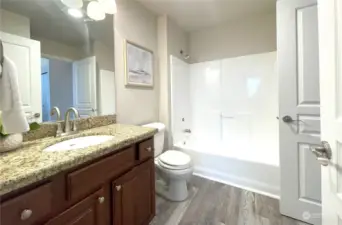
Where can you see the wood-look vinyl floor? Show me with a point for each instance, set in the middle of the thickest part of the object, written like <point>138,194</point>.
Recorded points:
<point>213,203</point>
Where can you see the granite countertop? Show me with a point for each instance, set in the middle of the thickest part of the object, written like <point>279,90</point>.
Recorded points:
<point>30,163</point>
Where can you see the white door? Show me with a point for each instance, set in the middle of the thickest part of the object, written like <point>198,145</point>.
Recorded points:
<point>299,112</point>
<point>330,24</point>
<point>84,86</point>
<point>25,53</point>
<point>106,92</point>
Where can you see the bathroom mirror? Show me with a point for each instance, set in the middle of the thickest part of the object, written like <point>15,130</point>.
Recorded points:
<point>64,56</point>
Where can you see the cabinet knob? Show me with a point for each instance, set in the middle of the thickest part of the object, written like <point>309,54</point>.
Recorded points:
<point>149,149</point>
<point>101,199</point>
<point>118,188</point>
<point>25,214</point>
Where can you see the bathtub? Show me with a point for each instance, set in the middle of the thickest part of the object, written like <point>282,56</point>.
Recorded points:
<point>240,166</point>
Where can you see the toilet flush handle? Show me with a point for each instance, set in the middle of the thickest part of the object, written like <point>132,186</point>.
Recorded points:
<point>149,149</point>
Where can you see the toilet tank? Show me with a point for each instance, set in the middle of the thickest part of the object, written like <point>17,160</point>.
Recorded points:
<point>158,137</point>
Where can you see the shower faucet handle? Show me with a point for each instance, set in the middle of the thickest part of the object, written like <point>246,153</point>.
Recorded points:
<point>187,131</point>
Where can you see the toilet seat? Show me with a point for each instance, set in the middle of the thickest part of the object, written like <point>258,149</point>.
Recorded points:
<point>174,160</point>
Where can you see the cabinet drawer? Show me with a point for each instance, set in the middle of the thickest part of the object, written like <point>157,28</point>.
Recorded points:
<point>85,180</point>
<point>146,149</point>
<point>29,208</point>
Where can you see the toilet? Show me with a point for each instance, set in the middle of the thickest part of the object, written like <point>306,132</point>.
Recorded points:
<point>173,168</point>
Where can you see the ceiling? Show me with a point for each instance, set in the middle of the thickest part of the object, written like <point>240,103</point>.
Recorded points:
<point>196,14</point>
<point>50,20</point>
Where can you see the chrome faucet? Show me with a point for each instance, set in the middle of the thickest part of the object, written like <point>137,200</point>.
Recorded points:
<point>67,119</point>
<point>55,110</point>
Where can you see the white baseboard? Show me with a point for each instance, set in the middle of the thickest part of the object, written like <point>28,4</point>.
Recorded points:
<point>239,182</point>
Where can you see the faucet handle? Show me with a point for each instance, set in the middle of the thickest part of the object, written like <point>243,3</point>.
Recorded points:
<point>67,119</point>
<point>59,129</point>
<point>74,127</point>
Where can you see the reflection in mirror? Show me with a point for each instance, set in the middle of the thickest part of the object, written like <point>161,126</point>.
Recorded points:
<point>63,56</point>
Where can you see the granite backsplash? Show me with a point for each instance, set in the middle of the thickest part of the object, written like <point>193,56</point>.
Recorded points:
<point>49,129</point>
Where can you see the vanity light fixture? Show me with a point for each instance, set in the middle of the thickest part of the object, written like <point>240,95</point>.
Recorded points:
<point>109,6</point>
<point>77,13</point>
<point>77,4</point>
<point>90,9</point>
<point>95,11</point>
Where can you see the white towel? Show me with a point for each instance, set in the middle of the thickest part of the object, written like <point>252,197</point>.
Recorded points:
<point>12,116</point>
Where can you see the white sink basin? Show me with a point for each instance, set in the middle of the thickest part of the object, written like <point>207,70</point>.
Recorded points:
<point>77,143</point>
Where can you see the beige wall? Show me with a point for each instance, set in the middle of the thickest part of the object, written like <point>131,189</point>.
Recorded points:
<point>243,37</point>
<point>171,39</point>
<point>52,49</point>
<point>104,55</point>
<point>59,50</point>
<point>164,108</point>
<point>135,23</point>
<point>178,40</point>
<point>14,24</point>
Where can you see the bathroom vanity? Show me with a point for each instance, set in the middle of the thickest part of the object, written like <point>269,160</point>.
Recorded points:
<point>109,184</point>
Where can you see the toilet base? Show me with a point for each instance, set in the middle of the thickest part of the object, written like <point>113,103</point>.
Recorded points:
<point>176,191</point>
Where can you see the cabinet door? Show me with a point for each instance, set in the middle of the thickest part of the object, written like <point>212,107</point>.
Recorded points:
<point>144,196</point>
<point>90,211</point>
<point>134,196</point>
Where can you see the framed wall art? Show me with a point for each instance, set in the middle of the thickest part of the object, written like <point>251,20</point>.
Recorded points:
<point>138,65</point>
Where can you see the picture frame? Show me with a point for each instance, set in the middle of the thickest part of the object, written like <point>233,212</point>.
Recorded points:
<point>139,65</point>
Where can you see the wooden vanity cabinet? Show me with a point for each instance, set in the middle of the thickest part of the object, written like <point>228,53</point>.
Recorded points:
<point>32,207</point>
<point>133,196</point>
<point>116,189</point>
<point>89,211</point>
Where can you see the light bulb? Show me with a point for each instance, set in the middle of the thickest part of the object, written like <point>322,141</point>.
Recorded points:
<point>109,6</point>
<point>95,11</point>
<point>77,13</point>
<point>73,3</point>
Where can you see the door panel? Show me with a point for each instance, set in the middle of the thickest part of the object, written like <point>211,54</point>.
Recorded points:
<point>90,211</point>
<point>298,62</point>
<point>128,201</point>
<point>308,171</point>
<point>132,206</point>
<point>25,53</point>
<point>84,86</point>
<point>123,191</point>
<point>143,197</point>
<point>308,66</point>
<point>330,36</point>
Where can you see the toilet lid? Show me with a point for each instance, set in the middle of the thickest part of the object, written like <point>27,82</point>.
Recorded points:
<point>175,159</point>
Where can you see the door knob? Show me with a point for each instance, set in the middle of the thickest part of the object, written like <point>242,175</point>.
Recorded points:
<point>288,119</point>
<point>323,153</point>
<point>36,115</point>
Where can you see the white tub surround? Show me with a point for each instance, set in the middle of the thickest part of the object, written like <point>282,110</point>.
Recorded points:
<point>231,108</point>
